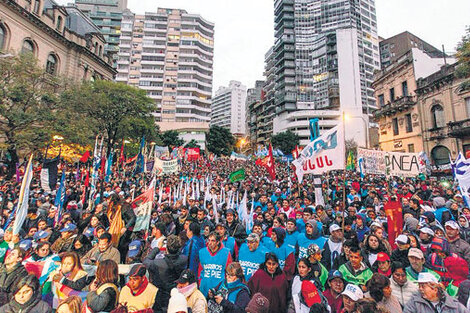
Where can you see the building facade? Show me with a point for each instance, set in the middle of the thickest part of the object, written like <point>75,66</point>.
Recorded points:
<point>228,108</point>
<point>444,109</point>
<point>325,55</point>
<point>169,54</point>
<point>62,38</point>
<point>107,15</point>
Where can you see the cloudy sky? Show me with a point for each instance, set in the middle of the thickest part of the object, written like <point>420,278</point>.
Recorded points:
<point>244,29</point>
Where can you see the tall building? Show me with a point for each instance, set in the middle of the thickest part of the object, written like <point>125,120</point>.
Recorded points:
<point>228,108</point>
<point>64,41</point>
<point>253,106</point>
<point>169,54</point>
<point>325,54</point>
<point>107,15</point>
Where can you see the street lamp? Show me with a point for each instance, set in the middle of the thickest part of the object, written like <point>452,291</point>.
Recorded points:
<point>58,138</point>
<point>366,129</point>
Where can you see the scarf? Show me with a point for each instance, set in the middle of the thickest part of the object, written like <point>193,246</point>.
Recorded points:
<point>141,289</point>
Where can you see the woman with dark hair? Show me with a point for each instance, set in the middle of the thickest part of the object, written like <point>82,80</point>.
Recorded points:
<point>305,289</point>
<point>71,273</point>
<point>271,282</point>
<point>10,273</point>
<point>81,245</point>
<point>42,252</point>
<point>232,294</point>
<point>283,251</point>
<point>26,298</point>
<point>372,247</point>
<point>381,292</point>
<point>104,294</point>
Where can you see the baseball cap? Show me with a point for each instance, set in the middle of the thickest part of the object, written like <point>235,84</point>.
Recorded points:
<point>312,249</point>
<point>41,235</point>
<point>354,292</point>
<point>187,276</point>
<point>417,253</point>
<point>382,257</point>
<point>134,248</point>
<point>68,227</point>
<point>138,270</point>
<point>252,237</point>
<point>334,227</point>
<point>402,240</point>
<point>452,224</point>
<point>335,274</point>
<point>427,277</point>
<point>26,244</point>
<point>427,230</point>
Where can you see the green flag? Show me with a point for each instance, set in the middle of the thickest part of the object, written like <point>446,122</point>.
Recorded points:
<point>237,175</point>
<point>350,161</point>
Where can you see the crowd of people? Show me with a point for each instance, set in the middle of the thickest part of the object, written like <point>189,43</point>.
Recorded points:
<point>290,252</point>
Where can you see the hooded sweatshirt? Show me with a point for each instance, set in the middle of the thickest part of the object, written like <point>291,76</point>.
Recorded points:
<point>304,240</point>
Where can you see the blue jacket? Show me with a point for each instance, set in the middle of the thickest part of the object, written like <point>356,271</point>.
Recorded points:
<point>212,268</point>
<point>291,239</point>
<point>250,261</point>
<point>191,250</point>
<point>303,242</point>
<point>282,252</point>
<point>230,244</point>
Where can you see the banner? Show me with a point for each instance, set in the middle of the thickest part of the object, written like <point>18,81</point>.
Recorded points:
<point>237,175</point>
<point>324,154</point>
<point>239,156</point>
<point>161,152</point>
<point>142,206</point>
<point>390,163</point>
<point>461,171</point>
<point>170,167</point>
<point>49,174</point>
<point>191,154</point>
<point>23,198</point>
<point>393,211</point>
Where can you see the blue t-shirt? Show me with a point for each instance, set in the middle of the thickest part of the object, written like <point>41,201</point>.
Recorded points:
<point>250,261</point>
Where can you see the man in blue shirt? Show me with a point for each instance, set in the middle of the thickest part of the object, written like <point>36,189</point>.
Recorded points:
<point>252,254</point>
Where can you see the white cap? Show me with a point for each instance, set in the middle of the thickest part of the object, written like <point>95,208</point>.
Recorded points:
<point>402,239</point>
<point>427,278</point>
<point>334,227</point>
<point>177,302</point>
<point>427,230</point>
<point>452,224</point>
<point>354,292</point>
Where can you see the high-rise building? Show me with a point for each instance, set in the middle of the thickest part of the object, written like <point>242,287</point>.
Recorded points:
<point>254,110</point>
<point>169,54</point>
<point>228,108</point>
<point>107,15</point>
<point>325,54</point>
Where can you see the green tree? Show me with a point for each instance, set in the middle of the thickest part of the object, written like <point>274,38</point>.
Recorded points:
<point>115,109</point>
<point>28,100</point>
<point>171,139</point>
<point>220,141</point>
<point>192,144</point>
<point>286,141</point>
<point>463,56</point>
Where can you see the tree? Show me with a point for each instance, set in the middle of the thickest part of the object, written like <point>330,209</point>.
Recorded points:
<point>220,141</point>
<point>286,141</point>
<point>115,109</point>
<point>27,105</point>
<point>192,144</point>
<point>463,56</point>
<point>171,139</point>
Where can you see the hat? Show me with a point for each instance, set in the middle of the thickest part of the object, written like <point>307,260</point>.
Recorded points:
<point>68,227</point>
<point>42,234</point>
<point>230,211</point>
<point>426,277</point>
<point>134,248</point>
<point>427,230</point>
<point>177,302</point>
<point>417,253</point>
<point>354,292</point>
<point>452,224</point>
<point>334,227</point>
<point>278,190</point>
<point>187,276</point>
<point>138,270</point>
<point>253,237</point>
<point>312,249</point>
<point>440,244</point>
<point>312,222</point>
<point>438,202</point>
<point>26,244</point>
<point>382,257</point>
<point>402,240</point>
<point>335,274</point>
<point>258,304</point>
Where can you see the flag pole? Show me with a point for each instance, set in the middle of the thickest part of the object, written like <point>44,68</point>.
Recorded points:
<point>343,117</point>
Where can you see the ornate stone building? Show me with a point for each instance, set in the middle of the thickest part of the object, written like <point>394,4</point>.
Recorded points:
<point>62,38</point>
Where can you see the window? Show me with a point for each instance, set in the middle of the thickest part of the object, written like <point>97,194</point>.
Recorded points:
<point>440,155</point>
<point>392,94</point>
<point>395,126</point>
<point>28,46</point>
<point>51,64</point>
<point>411,147</point>
<point>37,5</point>
<point>404,88</point>
<point>3,37</point>
<point>409,124</point>
<point>59,23</point>
<point>381,100</point>
<point>438,119</point>
<point>467,100</point>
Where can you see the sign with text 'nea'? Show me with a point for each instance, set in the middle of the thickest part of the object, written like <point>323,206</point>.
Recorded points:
<point>391,163</point>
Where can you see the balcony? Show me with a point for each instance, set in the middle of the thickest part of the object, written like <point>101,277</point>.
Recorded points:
<point>459,129</point>
<point>398,105</point>
<point>437,133</point>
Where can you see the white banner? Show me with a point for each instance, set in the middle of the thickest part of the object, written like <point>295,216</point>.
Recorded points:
<point>170,167</point>
<point>461,169</point>
<point>391,163</point>
<point>326,153</point>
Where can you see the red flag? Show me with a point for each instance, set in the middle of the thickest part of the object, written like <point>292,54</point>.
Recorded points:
<point>132,159</point>
<point>87,184</point>
<point>85,157</point>
<point>296,152</point>
<point>270,163</point>
<point>103,166</point>
<point>394,214</point>
<point>121,155</point>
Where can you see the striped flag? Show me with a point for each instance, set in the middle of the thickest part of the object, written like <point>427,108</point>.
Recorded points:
<point>142,206</point>
<point>23,199</point>
<point>60,198</point>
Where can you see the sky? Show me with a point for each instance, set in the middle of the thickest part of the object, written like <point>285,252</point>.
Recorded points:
<point>244,29</point>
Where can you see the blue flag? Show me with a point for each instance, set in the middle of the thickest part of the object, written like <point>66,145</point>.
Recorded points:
<point>60,198</point>
<point>139,166</point>
<point>109,170</point>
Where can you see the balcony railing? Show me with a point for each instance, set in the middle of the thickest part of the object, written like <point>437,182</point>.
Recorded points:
<point>459,129</point>
<point>397,105</point>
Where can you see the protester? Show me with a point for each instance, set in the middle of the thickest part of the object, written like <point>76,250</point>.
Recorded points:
<point>104,293</point>
<point>71,304</point>
<point>402,289</point>
<point>381,291</point>
<point>351,295</point>
<point>138,295</point>
<point>192,246</point>
<point>335,286</point>
<point>251,255</point>
<point>102,251</point>
<point>26,298</point>
<point>355,271</point>
<point>11,272</point>
<point>187,285</point>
